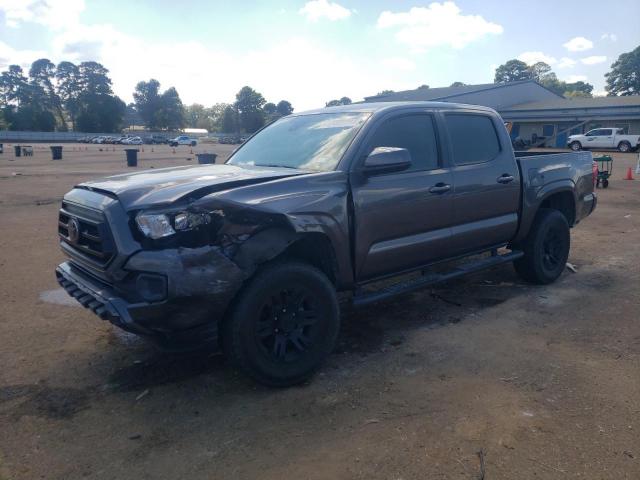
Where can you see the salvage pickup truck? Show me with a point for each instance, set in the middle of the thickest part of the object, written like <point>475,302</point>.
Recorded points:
<point>607,138</point>
<point>250,255</point>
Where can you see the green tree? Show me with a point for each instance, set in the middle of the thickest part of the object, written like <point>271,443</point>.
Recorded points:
<point>14,86</point>
<point>147,99</point>
<point>383,92</point>
<point>42,74</point>
<point>269,108</point>
<point>284,108</point>
<point>171,114</point>
<point>68,89</point>
<point>458,84</point>
<point>335,103</point>
<point>539,71</point>
<point>512,71</point>
<point>624,77</point>
<point>249,105</point>
<point>229,120</point>
<point>94,79</point>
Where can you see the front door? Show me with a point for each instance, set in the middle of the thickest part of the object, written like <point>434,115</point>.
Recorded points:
<point>402,219</point>
<point>600,138</point>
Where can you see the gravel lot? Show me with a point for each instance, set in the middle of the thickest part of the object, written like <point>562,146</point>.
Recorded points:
<point>544,381</point>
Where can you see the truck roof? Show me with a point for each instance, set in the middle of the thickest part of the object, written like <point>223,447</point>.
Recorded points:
<point>379,106</point>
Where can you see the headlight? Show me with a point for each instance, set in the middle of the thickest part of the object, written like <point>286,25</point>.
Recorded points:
<point>188,220</point>
<point>155,225</point>
<point>162,225</point>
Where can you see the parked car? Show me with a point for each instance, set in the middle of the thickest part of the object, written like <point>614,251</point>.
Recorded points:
<point>132,141</point>
<point>606,138</point>
<point>156,139</point>
<point>99,139</point>
<point>183,140</point>
<point>252,253</point>
<point>230,140</point>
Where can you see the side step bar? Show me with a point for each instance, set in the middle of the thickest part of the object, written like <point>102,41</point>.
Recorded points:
<point>360,298</point>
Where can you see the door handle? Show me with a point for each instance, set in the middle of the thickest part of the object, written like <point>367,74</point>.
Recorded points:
<point>440,188</point>
<point>506,178</point>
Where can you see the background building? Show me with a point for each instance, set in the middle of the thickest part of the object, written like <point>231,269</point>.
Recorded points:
<point>538,115</point>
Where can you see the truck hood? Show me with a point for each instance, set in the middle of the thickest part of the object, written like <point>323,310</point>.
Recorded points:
<point>168,185</point>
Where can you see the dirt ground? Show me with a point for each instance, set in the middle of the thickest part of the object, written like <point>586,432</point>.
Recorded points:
<point>544,381</point>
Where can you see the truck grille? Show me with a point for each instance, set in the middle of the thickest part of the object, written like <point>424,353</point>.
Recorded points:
<point>85,235</point>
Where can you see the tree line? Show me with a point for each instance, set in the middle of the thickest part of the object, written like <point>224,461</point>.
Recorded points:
<point>80,97</point>
<point>52,97</point>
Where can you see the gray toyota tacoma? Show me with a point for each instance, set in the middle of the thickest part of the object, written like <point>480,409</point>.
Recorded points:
<point>250,255</point>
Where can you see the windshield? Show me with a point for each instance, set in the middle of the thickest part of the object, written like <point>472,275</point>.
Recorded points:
<point>310,142</point>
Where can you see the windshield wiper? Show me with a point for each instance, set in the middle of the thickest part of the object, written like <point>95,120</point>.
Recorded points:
<point>274,165</point>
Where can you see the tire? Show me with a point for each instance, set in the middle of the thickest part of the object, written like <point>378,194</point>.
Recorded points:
<point>624,147</point>
<point>575,146</point>
<point>546,248</point>
<point>275,347</point>
<point>605,183</point>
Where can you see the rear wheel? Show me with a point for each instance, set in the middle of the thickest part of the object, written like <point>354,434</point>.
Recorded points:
<point>575,146</point>
<point>624,147</point>
<point>546,248</point>
<point>283,325</point>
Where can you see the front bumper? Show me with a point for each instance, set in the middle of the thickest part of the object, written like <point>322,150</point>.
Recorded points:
<point>198,286</point>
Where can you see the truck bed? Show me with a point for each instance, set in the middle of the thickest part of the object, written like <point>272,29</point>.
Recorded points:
<point>543,170</point>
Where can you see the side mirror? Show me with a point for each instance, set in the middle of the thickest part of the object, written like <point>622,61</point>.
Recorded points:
<point>387,160</point>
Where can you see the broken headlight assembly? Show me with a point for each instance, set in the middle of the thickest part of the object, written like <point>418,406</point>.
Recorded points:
<point>161,225</point>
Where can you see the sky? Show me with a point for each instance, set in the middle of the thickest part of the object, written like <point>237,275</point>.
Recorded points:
<point>309,52</point>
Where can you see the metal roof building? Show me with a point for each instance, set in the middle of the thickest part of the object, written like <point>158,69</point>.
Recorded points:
<point>538,114</point>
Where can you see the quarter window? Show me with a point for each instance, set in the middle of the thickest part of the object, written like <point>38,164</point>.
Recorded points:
<point>416,133</point>
<point>473,138</point>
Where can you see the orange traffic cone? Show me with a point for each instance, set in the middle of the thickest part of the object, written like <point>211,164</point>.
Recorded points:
<point>143,149</point>
<point>174,151</point>
<point>629,174</point>
<point>151,149</point>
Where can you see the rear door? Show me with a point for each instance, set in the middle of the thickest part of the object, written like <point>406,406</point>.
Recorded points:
<point>486,195</point>
<point>402,219</point>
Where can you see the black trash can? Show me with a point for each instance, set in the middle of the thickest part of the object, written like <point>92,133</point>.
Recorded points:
<point>132,157</point>
<point>1,148</point>
<point>56,152</point>
<point>18,150</point>
<point>206,158</point>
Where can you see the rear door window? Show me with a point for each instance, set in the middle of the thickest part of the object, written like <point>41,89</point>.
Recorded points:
<point>416,133</point>
<point>473,138</point>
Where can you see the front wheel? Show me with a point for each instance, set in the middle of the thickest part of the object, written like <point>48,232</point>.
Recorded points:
<point>283,324</point>
<point>575,146</point>
<point>546,248</point>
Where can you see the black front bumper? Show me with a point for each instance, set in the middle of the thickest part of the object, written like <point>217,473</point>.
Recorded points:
<point>176,324</point>
<point>101,299</point>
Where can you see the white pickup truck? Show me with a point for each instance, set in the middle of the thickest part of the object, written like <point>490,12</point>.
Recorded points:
<point>604,138</point>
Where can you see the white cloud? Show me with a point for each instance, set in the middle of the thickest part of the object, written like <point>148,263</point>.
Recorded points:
<point>534,57</point>
<point>566,62</point>
<point>398,63</point>
<point>576,78</point>
<point>24,58</point>
<point>599,93</point>
<point>609,36</point>
<point>317,9</point>
<point>55,14</point>
<point>594,59</point>
<point>578,44</point>
<point>438,24</point>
